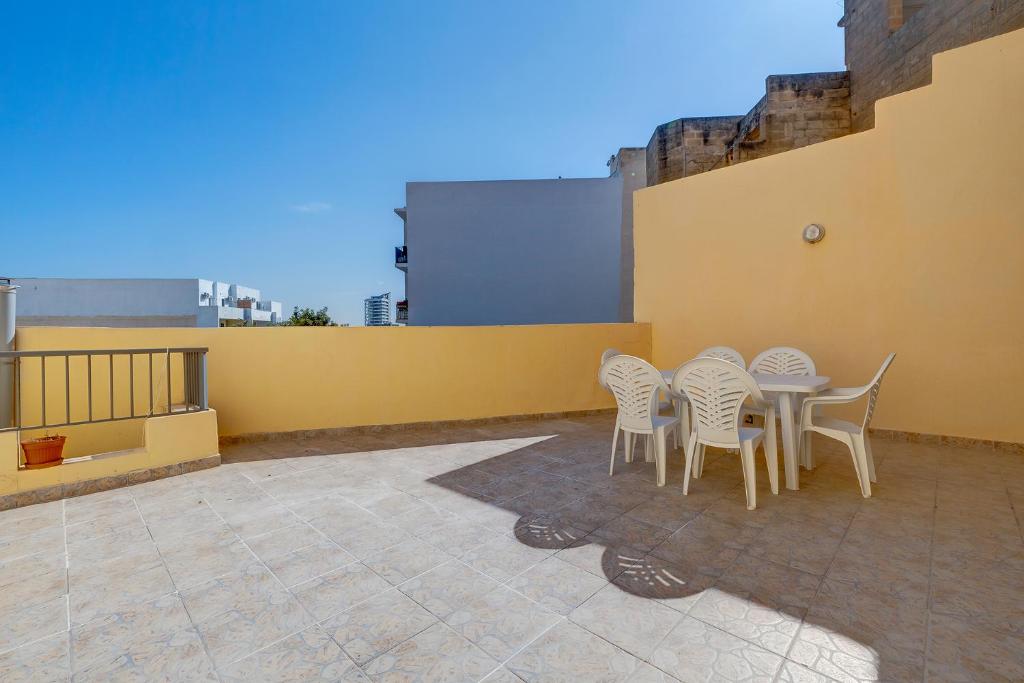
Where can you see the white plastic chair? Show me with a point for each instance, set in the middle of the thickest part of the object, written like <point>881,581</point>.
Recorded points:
<point>725,353</point>
<point>636,384</point>
<point>783,360</point>
<point>855,436</point>
<point>716,390</point>
<point>679,403</point>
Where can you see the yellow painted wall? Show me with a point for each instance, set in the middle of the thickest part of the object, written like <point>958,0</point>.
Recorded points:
<point>166,441</point>
<point>291,378</point>
<point>924,252</point>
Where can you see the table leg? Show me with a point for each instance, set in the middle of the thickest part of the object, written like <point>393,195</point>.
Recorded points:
<point>806,452</point>
<point>788,441</point>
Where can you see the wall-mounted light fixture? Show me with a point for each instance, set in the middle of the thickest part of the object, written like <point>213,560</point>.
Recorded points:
<point>814,233</point>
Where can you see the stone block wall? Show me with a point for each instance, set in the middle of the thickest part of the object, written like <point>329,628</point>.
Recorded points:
<point>688,146</point>
<point>797,110</point>
<point>889,43</point>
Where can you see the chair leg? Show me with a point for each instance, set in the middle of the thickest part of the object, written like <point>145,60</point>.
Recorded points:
<point>683,428</point>
<point>771,460</point>
<point>749,473</point>
<point>870,459</point>
<point>615,443</point>
<point>700,462</point>
<point>690,450</point>
<point>627,444</point>
<point>862,465</point>
<point>659,454</point>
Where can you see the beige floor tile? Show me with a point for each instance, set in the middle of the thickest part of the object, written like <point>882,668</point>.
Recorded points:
<point>803,545</point>
<point>547,532</point>
<point>503,557</point>
<point>854,632</point>
<point>500,622</point>
<point>199,518</point>
<point>695,651</point>
<point>635,624</point>
<point>444,589</point>
<point>672,585</point>
<point>458,537</point>
<point>960,652</point>
<point>339,590</point>
<point>113,639</point>
<point>502,675</point>
<point>792,672</point>
<point>706,544</point>
<point>373,627</point>
<point>557,585</point>
<point>178,656</point>
<point>47,540</point>
<point>409,558</point>
<point>39,662</point>
<point>97,599</point>
<point>436,654</point>
<point>283,541</point>
<point>242,612</point>
<point>199,557</point>
<point>83,532</point>
<point>309,562</point>
<point>570,653</point>
<point>601,558</point>
<point>633,533</point>
<point>307,656</point>
<point>759,601</point>
<point>19,626</point>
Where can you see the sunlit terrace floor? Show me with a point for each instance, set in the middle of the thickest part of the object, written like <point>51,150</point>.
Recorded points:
<point>507,552</point>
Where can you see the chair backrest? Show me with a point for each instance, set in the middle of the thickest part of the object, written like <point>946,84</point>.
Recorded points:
<point>875,386</point>
<point>716,390</point>
<point>783,360</point>
<point>635,383</point>
<point>725,353</point>
<point>608,353</point>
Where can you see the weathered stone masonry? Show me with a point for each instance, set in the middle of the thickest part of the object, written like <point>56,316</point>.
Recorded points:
<point>890,43</point>
<point>889,46</point>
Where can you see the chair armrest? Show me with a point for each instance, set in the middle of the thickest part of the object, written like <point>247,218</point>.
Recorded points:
<point>835,396</point>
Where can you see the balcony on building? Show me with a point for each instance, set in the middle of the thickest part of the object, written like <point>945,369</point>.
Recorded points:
<point>402,257</point>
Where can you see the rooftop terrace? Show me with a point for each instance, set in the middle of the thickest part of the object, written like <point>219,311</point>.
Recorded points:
<point>506,552</point>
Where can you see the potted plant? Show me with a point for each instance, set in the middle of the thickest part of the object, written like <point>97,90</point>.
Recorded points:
<point>44,451</point>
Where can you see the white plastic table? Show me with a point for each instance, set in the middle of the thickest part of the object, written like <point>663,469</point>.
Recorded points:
<point>787,387</point>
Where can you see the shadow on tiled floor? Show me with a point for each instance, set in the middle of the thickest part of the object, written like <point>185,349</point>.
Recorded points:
<point>506,552</point>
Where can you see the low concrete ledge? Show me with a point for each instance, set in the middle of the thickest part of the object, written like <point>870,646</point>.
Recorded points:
<point>944,440</point>
<point>47,494</point>
<point>405,426</point>
<point>173,444</point>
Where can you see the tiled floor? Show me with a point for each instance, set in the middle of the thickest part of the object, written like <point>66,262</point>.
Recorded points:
<point>507,552</point>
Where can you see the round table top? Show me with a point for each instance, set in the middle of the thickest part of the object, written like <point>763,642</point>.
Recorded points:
<point>797,384</point>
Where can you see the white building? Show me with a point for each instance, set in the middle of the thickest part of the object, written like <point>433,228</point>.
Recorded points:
<point>141,303</point>
<point>514,252</point>
<point>377,310</point>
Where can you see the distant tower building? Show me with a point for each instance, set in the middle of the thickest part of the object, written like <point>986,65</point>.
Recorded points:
<point>377,310</point>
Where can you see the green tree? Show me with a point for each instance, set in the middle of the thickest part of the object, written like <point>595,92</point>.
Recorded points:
<point>309,317</point>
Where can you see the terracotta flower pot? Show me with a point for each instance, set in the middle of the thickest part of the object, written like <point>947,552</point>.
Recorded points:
<point>43,452</point>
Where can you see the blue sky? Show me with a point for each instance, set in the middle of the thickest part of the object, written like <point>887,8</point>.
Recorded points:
<point>266,143</point>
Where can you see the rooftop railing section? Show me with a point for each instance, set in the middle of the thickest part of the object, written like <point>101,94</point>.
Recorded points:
<point>76,387</point>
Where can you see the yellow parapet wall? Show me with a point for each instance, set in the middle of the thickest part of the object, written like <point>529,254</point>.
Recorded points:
<point>280,379</point>
<point>923,255</point>
<point>168,441</point>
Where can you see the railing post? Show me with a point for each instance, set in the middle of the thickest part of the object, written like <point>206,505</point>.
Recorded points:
<point>204,397</point>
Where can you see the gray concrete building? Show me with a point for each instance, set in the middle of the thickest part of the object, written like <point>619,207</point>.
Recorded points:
<point>516,252</point>
<point>117,302</point>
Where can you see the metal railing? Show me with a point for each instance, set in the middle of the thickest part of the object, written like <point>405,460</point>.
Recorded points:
<point>401,255</point>
<point>161,401</point>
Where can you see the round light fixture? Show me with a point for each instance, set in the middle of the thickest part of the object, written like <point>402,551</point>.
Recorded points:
<point>814,233</point>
